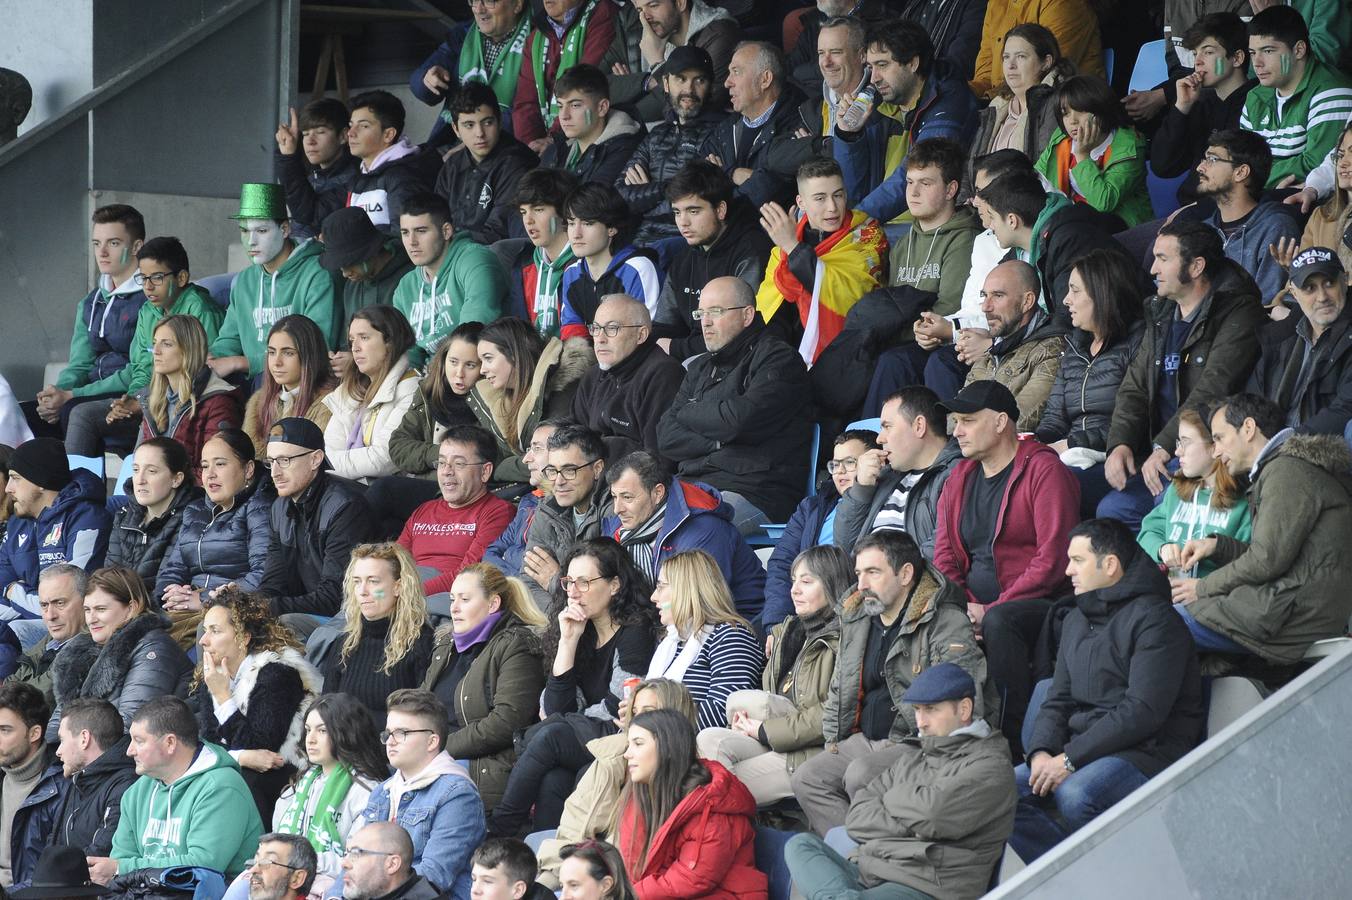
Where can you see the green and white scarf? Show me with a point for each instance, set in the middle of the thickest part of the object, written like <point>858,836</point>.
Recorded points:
<point>322,833</point>
<point>548,279</point>
<point>570,54</point>
<point>501,76</point>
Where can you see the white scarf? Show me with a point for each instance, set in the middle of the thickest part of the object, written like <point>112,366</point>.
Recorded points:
<point>668,663</point>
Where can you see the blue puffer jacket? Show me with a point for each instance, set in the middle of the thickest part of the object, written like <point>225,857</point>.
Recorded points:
<point>36,819</point>
<point>74,529</point>
<point>215,546</point>
<point>509,549</point>
<point>800,534</point>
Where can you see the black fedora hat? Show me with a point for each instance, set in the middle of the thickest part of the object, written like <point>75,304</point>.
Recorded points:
<point>61,872</point>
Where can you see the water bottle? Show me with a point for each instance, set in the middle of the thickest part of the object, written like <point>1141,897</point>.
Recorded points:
<point>858,111</point>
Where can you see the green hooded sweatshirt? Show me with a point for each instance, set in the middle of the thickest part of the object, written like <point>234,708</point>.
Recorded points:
<point>938,261</point>
<point>301,286</point>
<point>192,301</point>
<point>379,291</point>
<point>207,818</point>
<point>470,286</point>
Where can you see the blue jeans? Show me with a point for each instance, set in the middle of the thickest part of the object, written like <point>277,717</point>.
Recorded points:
<point>1209,641</point>
<point>1099,500</point>
<point>1040,823</point>
<point>823,874</point>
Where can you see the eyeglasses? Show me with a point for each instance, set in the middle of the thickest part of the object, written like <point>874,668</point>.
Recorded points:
<point>400,735</point>
<point>848,464</point>
<point>284,462</point>
<point>487,4</point>
<point>359,852</point>
<point>564,473</point>
<point>459,465</point>
<point>1212,159</point>
<point>568,582</point>
<point>714,313</point>
<point>155,278</point>
<point>250,863</point>
<point>611,329</point>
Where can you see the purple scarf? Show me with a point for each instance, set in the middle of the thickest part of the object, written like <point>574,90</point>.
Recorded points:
<point>478,634</point>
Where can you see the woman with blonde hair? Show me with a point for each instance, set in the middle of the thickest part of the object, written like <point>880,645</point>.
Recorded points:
<point>184,400</point>
<point>486,667</point>
<point>709,648</point>
<point>386,640</point>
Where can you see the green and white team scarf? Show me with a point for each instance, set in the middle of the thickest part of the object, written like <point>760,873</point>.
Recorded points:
<point>570,54</point>
<point>501,76</point>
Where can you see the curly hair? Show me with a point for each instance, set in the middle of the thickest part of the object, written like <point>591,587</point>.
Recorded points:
<point>251,615</point>
<point>410,612</point>
<point>630,607</point>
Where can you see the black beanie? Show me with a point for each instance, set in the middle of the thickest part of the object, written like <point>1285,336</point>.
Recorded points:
<point>42,461</point>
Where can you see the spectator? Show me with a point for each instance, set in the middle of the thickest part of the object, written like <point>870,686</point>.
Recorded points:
<point>214,824</point>
<point>1073,22</point>
<point>283,868</point>
<point>1023,111</point>
<point>802,63</point>
<point>479,183</point>
<point>453,531</point>
<point>92,747</point>
<point>442,402</point>
<point>1232,174</point>
<point>1200,342</point>
<point>1281,591</point>
<point>1202,499</point>
<point>250,689</point>
<point>34,791</point>
<point>1125,701</point>
<point>383,862</point>
<point>374,395</point>
<point>567,32</point>
<point>126,656</point>
<point>930,100</point>
<point>1009,564</point>
<point>61,593</point>
<point>392,170</point>
<point>772,732</point>
<point>504,869</point>
<point>723,236</point>
<point>6,499</point>
<point>163,487</point>
<point>765,115</point>
<point>457,279</point>
<point>593,141</point>
<point>673,800</point>
<point>102,344</point>
<point>904,496</point>
<point>736,422</point>
<point>954,26</point>
<point>1209,98</point>
<point>523,379</point>
<point>290,274</point>
<point>946,798</point>
<point>601,634</point>
<point>58,518</point>
<point>1296,106</point>
<point>575,510</point>
<point>316,185</point>
<point>162,272</point>
<point>904,617</point>
<point>594,868</point>
<point>633,383</point>
<point>295,383</point>
<point>386,641</point>
<point>840,62</point>
<point>1304,366</point>
<point>371,264</point>
<point>535,282</point>
<point>1332,219</point>
<point>599,230</point>
<point>820,265</point>
<point>670,26</point>
<point>692,112</point>
<point>486,668</point>
<point>224,537</point>
<point>509,550</point>
<point>185,400</point>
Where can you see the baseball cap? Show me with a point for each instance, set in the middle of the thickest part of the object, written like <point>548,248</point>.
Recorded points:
<point>1315,261</point>
<point>981,395</point>
<point>688,57</point>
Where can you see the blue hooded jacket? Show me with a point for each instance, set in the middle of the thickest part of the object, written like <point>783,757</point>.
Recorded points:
<point>74,529</point>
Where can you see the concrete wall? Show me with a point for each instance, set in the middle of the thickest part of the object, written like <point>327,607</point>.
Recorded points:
<point>52,44</point>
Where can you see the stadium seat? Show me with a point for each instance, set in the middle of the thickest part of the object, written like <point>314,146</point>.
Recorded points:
<point>1231,698</point>
<point>218,286</point>
<point>123,473</point>
<point>1109,57</point>
<point>536,838</point>
<point>764,554</point>
<point>88,463</point>
<point>1151,67</point>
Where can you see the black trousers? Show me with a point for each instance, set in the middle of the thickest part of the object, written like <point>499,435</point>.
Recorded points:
<point>393,499</point>
<point>544,775</point>
<point>1010,632</point>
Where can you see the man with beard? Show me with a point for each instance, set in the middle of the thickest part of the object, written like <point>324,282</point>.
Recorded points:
<point>92,746</point>
<point>31,787</point>
<point>379,864</point>
<point>687,79</point>
<point>283,868</point>
<point>668,26</point>
<point>904,618</point>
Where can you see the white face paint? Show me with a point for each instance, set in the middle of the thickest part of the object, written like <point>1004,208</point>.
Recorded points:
<point>263,239</point>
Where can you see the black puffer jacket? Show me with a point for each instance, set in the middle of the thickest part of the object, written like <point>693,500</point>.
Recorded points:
<point>624,403</point>
<point>311,540</point>
<point>1080,407</point>
<point>140,546</point>
<point>663,152</point>
<point>739,423</point>
<point>138,663</point>
<point>215,546</point>
<point>94,801</point>
<point>1067,235</point>
<point>1127,682</point>
<point>482,195</point>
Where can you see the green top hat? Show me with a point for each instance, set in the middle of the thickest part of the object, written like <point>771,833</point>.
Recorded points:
<point>261,201</point>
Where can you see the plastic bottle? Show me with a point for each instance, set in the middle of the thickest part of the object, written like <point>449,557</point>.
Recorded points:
<point>858,111</point>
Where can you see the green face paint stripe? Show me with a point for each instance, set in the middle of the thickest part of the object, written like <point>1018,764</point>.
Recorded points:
<point>1286,63</point>
<point>1219,65</point>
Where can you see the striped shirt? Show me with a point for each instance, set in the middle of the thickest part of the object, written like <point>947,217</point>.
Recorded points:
<point>730,660</point>
<point>1304,126</point>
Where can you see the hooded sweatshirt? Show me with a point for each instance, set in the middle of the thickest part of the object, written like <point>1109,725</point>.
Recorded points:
<point>469,286</point>
<point>1177,521</point>
<point>100,345</point>
<point>74,529</point>
<point>258,299</point>
<point>379,291</point>
<point>192,301</point>
<point>938,261</point>
<point>397,173</point>
<point>632,271</point>
<point>206,817</point>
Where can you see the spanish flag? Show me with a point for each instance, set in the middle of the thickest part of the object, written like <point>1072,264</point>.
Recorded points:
<point>850,263</point>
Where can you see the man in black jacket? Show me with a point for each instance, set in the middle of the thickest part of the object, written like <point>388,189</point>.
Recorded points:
<point>316,520</point>
<point>1126,699</point>
<point>723,237</point>
<point>479,181</point>
<point>594,140</point>
<point>392,169</point>
<point>738,421</point>
<point>316,179</point>
<point>633,383</point>
<point>1306,362</point>
<point>93,754</point>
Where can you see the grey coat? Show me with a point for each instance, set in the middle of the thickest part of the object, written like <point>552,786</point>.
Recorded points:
<point>862,503</point>
<point>552,529</point>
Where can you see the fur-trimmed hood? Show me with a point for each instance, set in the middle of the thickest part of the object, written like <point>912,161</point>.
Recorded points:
<point>1325,451</point>
<point>932,590</point>
<point>83,669</point>
<point>293,748</point>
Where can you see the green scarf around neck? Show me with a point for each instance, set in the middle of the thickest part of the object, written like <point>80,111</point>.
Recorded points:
<point>570,54</point>
<point>502,76</point>
<point>322,832</point>
<point>548,279</point>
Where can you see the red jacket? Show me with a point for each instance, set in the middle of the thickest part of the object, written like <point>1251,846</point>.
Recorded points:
<point>1040,507</point>
<point>219,409</point>
<point>527,124</point>
<point>705,849</point>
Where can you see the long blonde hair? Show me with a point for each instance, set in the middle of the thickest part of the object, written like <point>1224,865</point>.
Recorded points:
<point>410,609</point>
<point>515,598</point>
<point>699,594</point>
<point>192,345</point>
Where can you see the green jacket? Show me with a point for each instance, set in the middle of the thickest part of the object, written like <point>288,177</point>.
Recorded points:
<point>1118,188</point>
<point>83,358</point>
<point>1286,587</point>
<point>799,736</point>
<point>195,302</point>
<point>1177,521</point>
<point>379,291</point>
<point>938,261</point>
<point>205,818</point>
<point>35,670</point>
<point>414,445</point>
<point>1310,122</point>
<point>470,286</point>
<point>257,300</point>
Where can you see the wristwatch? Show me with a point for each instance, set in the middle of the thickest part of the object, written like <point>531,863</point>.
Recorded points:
<point>1070,767</point>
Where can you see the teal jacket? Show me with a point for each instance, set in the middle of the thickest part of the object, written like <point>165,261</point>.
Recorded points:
<point>206,818</point>
<point>258,299</point>
<point>470,286</point>
<point>100,345</point>
<point>1118,188</point>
